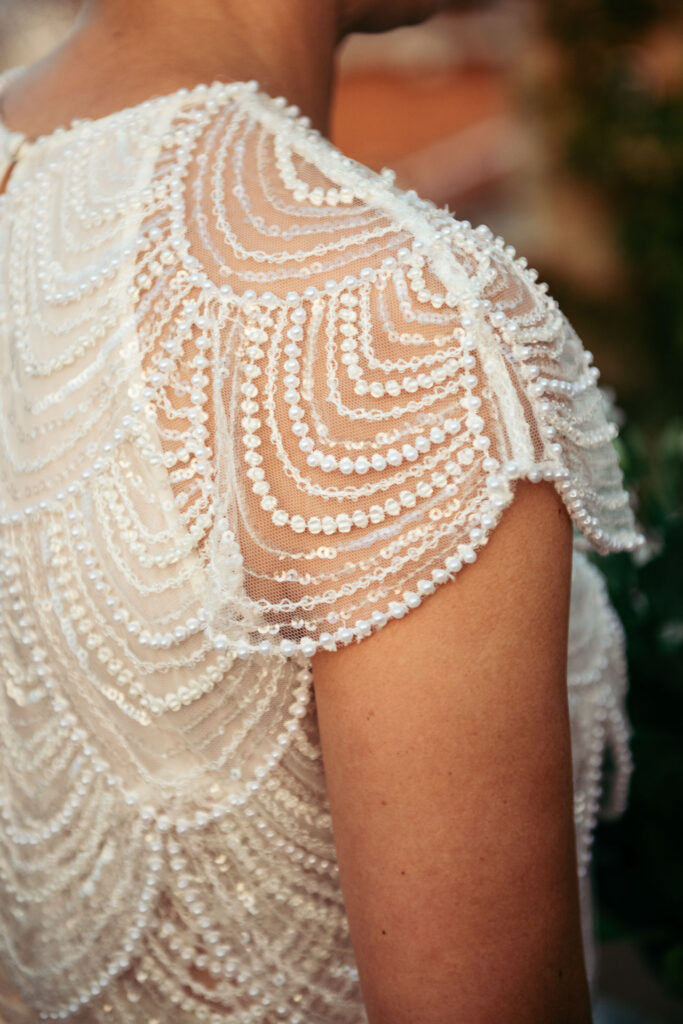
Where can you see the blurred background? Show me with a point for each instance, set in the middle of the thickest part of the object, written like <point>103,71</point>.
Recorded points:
<point>560,125</point>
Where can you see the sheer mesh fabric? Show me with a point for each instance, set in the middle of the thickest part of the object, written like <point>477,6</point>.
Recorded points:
<point>255,401</point>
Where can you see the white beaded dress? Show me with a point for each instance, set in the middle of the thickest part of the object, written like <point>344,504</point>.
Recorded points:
<point>254,401</point>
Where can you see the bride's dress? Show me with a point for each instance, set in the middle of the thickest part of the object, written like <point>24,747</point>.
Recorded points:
<point>254,401</point>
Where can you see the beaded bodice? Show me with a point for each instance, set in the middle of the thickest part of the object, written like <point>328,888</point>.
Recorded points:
<point>256,401</point>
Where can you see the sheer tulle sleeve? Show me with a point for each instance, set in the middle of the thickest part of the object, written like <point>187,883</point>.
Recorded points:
<point>380,376</point>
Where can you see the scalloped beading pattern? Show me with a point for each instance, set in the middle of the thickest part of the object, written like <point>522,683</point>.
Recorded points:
<point>256,401</point>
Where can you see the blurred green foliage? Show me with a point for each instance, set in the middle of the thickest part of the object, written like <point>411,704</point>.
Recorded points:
<point>621,124</point>
<point>617,115</point>
<point>639,858</point>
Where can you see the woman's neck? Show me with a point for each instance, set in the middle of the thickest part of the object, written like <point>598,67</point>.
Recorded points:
<point>120,52</point>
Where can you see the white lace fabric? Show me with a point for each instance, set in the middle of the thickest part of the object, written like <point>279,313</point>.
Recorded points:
<point>255,401</point>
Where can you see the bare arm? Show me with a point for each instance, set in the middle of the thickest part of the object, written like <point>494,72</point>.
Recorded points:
<point>446,745</point>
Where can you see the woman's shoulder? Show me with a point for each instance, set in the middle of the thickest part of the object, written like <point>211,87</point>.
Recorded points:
<point>302,196</point>
<point>403,370</point>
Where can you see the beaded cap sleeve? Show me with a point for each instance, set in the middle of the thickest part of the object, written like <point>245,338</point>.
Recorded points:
<point>339,382</point>
<point>254,400</point>
<point>379,376</point>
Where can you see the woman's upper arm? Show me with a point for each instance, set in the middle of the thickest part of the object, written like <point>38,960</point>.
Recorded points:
<point>446,746</point>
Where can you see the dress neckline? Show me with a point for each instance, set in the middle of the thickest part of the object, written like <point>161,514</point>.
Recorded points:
<point>186,93</point>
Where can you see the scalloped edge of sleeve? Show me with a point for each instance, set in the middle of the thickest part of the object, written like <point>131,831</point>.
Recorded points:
<point>501,495</point>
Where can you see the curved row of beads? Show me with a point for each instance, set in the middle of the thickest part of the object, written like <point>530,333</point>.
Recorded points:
<point>431,232</point>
